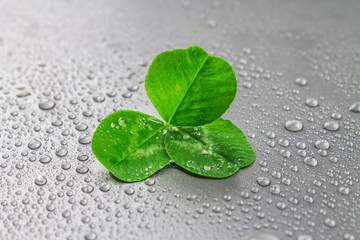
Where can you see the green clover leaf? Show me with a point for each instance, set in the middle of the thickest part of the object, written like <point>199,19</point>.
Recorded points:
<point>190,90</point>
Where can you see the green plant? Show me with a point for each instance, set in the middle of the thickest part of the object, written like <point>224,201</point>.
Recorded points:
<point>190,90</point>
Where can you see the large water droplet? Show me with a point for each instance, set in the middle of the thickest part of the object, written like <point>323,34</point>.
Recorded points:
<point>85,139</point>
<point>45,159</point>
<point>263,181</point>
<point>82,169</point>
<point>322,144</point>
<point>40,181</point>
<point>312,102</point>
<point>46,104</point>
<point>310,161</point>
<point>105,187</point>
<point>301,81</point>
<point>355,107</point>
<point>331,126</point>
<point>293,125</point>
<point>61,152</point>
<point>35,144</point>
<point>129,190</point>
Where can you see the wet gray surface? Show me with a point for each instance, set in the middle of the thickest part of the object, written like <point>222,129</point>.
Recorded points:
<point>65,65</point>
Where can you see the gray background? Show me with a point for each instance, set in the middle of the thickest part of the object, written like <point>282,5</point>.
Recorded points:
<point>90,58</point>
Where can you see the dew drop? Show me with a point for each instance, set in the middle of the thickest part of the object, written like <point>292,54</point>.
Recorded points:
<point>45,159</point>
<point>105,187</point>
<point>85,139</point>
<point>81,126</point>
<point>87,188</point>
<point>82,169</point>
<point>312,102</point>
<point>35,144</point>
<point>301,81</point>
<point>46,104</point>
<point>40,181</point>
<point>322,144</point>
<point>330,222</point>
<point>310,161</point>
<point>263,181</point>
<point>355,107</point>
<point>331,126</point>
<point>61,152</point>
<point>129,190</point>
<point>293,125</point>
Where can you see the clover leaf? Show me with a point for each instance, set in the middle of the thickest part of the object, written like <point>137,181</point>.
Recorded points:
<point>217,149</point>
<point>190,90</point>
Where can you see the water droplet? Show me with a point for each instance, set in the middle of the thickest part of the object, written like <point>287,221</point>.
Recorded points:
<point>312,102</point>
<point>126,95</point>
<point>129,190</point>
<point>50,207</point>
<point>344,190</point>
<point>82,169</point>
<point>330,222</point>
<point>304,237</point>
<point>45,159</point>
<point>111,94</point>
<point>87,113</point>
<point>275,190</point>
<point>35,144</point>
<point>56,123</point>
<point>99,98</point>
<point>331,126</point>
<point>23,93</point>
<point>105,187</point>
<point>60,177</point>
<point>90,236</point>
<point>293,125</point>
<point>310,161</point>
<point>355,107</point>
<point>81,126</point>
<point>301,81</point>
<point>150,182</point>
<point>322,144</point>
<point>336,116</point>
<point>262,236</point>
<point>121,122</point>
<point>66,214</point>
<point>85,139</point>
<point>40,181</point>
<point>82,157</point>
<point>46,104</point>
<point>263,181</point>
<point>61,152</point>
<point>87,188</point>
